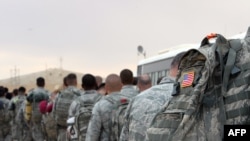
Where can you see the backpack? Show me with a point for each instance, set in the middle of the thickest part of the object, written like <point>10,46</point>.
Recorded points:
<point>118,112</point>
<point>18,103</point>
<point>3,112</point>
<point>83,116</point>
<point>65,98</point>
<point>50,127</point>
<point>200,107</point>
<point>37,97</point>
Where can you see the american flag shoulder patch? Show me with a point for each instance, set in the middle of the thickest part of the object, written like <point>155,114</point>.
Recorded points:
<point>188,79</point>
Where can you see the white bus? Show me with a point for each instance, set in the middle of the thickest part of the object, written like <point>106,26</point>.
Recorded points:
<point>158,66</point>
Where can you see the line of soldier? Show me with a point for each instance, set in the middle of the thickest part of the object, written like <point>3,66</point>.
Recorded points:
<point>40,115</point>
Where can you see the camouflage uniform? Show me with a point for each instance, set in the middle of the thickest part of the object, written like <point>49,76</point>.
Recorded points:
<point>143,108</point>
<point>5,130</point>
<point>129,91</point>
<point>90,96</point>
<point>87,96</point>
<point>16,129</point>
<point>61,131</point>
<point>25,132</point>
<point>36,129</point>
<point>99,128</point>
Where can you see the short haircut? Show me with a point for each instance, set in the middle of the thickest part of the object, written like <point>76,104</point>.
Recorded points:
<point>126,76</point>
<point>15,92</point>
<point>176,60</point>
<point>113,81</point>
<point>135,80</point>
<point>144,80</point>
<point>98,80</point>
<point>6,90</point>
<point>71,79</point>
<point>8,95</point>
<point>22,89</point>
<point>40,82</point>
<point>89,82</point>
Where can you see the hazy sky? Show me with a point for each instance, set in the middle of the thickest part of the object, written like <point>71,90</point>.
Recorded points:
<point>101,36</point>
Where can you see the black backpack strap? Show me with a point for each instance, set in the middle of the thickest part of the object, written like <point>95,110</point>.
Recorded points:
<point>230,67</point>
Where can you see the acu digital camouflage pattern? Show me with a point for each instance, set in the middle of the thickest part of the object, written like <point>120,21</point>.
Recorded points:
<point>100,124</point>
<point>143,108</point>
<point>81,109</point>
<point>217,99</point>
<point>229,103</point>
<point>129,91</point>
<point>5,117</point>
<point>25,133</point>
<point>16,130</point>
<point>62,104</point>
<point>237,98</point>
<point>178,120</point>
<point>35,96</point>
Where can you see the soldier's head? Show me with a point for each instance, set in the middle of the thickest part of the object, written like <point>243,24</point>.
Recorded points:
<point>126,76</point>
<point>21,90</point>
<point>15,92</point>
<point>71,79</point>
<point>40,82</point>
<point>89,82</point>
<point>175,64</point>
<point>98,80</point>
<point>113,83</point>
<point>144,82</point>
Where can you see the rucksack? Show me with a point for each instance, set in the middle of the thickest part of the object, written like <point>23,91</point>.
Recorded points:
<point>3,112</point>
<point>200,107</point>
<point>65,98</point>
<point>83,116</point>
<point>18,103</point>
<point>118,112</point>
<point>37,97</point>
<point>50,126</point>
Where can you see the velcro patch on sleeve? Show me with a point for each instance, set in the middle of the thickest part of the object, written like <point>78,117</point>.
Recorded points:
<point>188,79</point>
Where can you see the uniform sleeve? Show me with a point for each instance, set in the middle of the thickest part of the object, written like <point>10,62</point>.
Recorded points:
<point>73,109</point>
<point>95,124</point>
<point>124,136</point>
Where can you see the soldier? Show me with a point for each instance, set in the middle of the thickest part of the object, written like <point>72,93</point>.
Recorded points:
<point>87,100</point>
<point>144,82</point>
<point>98,80</point>
<point>143,107</point>
<point>15,105</point>
<point>48,120</point>
<point>5,116</point>
<point>127,79</point>
<point>99,128</point>
<point>62,104</point>
<point>34,97</point>
<point>26,134</point>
